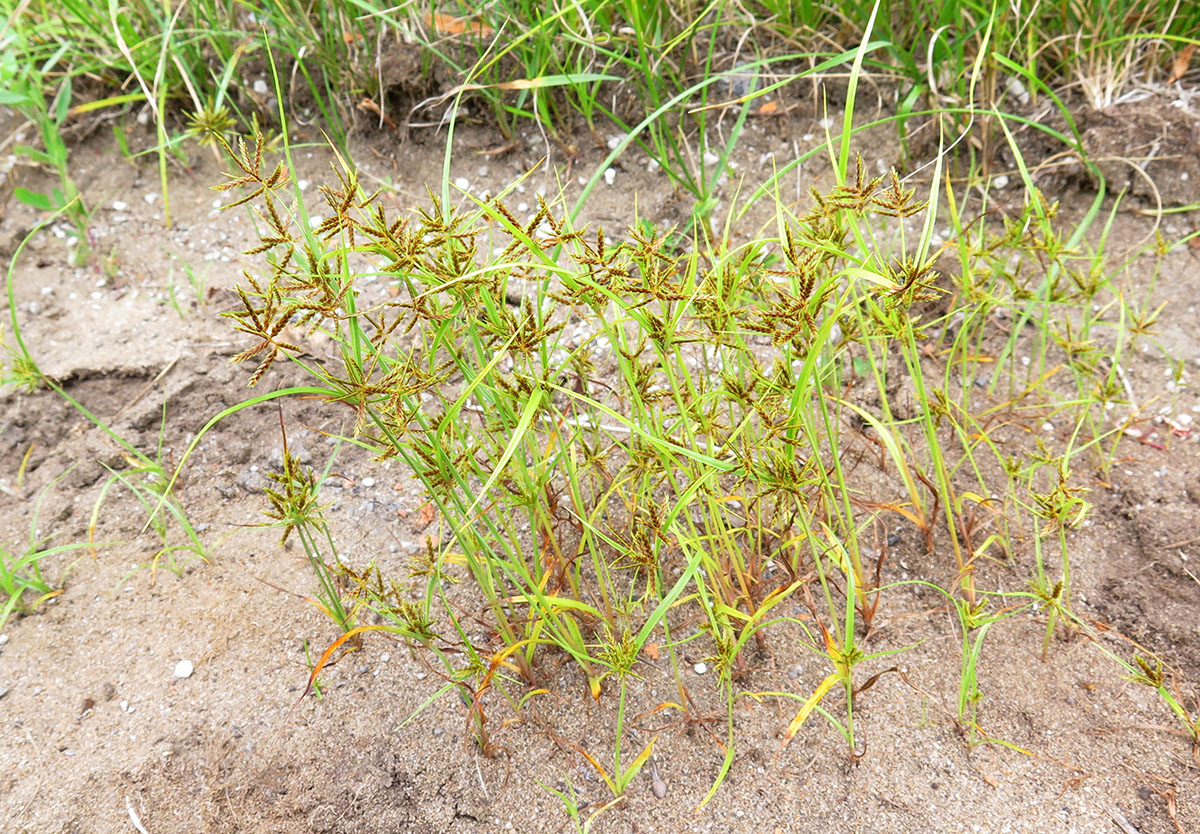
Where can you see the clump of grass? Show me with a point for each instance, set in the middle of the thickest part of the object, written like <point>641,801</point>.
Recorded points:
<point>636,441</point>
<point>633,439</point>
<point>147,479</point>
<point>295,507</point>
<point>146,476</point>
<point>25,88</point>
<point>647,432</point>
<point>23,585</point>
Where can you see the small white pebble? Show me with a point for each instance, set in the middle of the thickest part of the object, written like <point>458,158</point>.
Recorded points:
<point>303,185</point>
<point>613,141</point>
<point>368,482</point>
<point>462,183</point>
<point>120,205</point>
<point>260,87</point>
<point>1016,89</point>
<point>1047,426</point>
<point>700,668</point>
<point>150,197</point>
<point>711,158</point>
<point>1000,181</point>
<point>183,669</point>
<point>610,175</point>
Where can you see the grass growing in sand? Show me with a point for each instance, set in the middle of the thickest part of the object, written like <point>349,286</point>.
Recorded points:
<point>672,444</point>
<point>691,445</point>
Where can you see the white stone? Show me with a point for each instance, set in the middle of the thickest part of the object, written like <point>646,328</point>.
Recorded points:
<point>183,669</point>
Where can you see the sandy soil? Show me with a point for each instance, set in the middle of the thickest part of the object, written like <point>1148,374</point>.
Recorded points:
<point>100,736</point>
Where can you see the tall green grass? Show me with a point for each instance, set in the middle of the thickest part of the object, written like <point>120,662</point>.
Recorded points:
<point>197,68</point>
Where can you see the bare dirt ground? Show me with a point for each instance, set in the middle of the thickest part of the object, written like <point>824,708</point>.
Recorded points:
<point>100,736</point>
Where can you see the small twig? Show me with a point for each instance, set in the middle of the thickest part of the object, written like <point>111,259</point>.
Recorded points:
<point>1122,822</point>
<point>133,817</point>
<point>482,786</point>
<point>146,388</point>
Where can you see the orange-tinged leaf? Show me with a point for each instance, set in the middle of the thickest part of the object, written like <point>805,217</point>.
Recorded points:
<point>451,25</point>
<point>808,707</point>
<point>335,645</point>
<point>594,686</point>
<point>661,707</point>
<point>651,650</point>
<point>831,646</point>
<point>769,108</point>
<point>599,769</point>
<point>1179,66</point>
